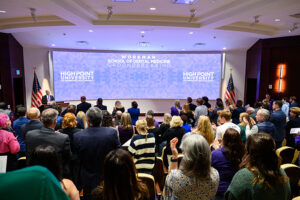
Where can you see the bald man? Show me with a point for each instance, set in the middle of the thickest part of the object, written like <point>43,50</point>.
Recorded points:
<point>34,115</point>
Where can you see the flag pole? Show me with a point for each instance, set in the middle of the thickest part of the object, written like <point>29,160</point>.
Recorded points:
<point>230,71</point>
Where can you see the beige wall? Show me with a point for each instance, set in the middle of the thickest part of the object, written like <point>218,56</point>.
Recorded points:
<point>38,57</point>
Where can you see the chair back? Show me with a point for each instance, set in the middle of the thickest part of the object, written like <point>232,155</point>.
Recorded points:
<point>158,173</point>
<point>293,172</point>
<point>150,182</point>
<point>286,154</point>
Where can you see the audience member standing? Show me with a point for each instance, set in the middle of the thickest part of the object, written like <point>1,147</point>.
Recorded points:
<point>120,179</point>
<point>293,102</point>
<point>134,112</point>
<point>175,110</point>
<point>204,128</point>
<point>47,136</point>
<point>151,113</point>
<point>72,109</point>
<point>186,111</point>
<point>294,122</point>
<point>107,120</point>
<point>214,114</point>
<point>175,130</point>
<point>270,101</point>
<point>34,115</point>
<point>192,106</point>
<point>225,119</point>
<point>285,106</point>
<point>81,115</point>
<point>261,176</point>
<point>100,105</point>
<point>17,127</point>
<point>205,102</point>
<point>195,179</point>
<point>278,118</point>
<point>117,117</point>
<point>118,107</point>
<point>227,159</point>
<point>263,123</point>
<point>142,148</point>
<point>237,111</point>
<point>200,110</point>
<point>3,109</point>
<point>126,129</point>
<point>46,156</point>
<point>161,131</point>
<point>69,128</point>
<point>83,106</point>
<point>92,145</point>
<point>9,145</point>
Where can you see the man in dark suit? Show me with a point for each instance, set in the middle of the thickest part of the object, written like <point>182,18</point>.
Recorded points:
<point>263,123</point>
<point>236,112</point>
<point>278,118</point>
<point>100,105</point>
<point>92,145</point>
<point>34,115</point>
<point>83,106</point>
<point>47,136</point>
<point>47,98</point>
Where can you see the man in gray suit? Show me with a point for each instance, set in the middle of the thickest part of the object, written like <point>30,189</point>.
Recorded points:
<point>47,136</point>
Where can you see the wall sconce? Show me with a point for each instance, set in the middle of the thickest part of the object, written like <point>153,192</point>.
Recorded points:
<point>280,83</point>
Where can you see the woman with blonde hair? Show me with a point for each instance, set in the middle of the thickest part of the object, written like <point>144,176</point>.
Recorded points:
<point>243,125</point>
<point>205,129</point>
<point>126,129</point>
<point>175,130</point>
<point>175,110</point>
<point>81,115</point>
<point>142,148</point>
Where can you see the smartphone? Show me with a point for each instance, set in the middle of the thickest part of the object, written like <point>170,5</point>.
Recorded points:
<point>8,106</point>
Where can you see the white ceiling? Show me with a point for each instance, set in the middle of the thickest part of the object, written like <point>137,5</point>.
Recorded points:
<point>217,23</point>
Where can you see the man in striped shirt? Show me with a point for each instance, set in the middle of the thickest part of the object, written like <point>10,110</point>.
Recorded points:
<point>142,148</point>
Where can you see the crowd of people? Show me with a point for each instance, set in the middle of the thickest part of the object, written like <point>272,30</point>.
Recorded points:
<point>221,152</point>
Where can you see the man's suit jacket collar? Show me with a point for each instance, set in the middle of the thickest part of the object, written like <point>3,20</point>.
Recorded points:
<point>47,130</point>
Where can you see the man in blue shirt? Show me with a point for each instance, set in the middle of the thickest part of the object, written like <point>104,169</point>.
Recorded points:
<point>285,106</point>
<point>21,111</point>
<point>278,118</point>
<point>263,124</point>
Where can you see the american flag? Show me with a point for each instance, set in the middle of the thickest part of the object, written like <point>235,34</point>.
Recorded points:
<point>230,93</point>
<point>36,96</point>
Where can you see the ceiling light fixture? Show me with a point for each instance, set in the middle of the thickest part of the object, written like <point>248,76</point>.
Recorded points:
<point>191,33</point>
<point>187,2</point>
<point>110,12</point>
<point>152,8</point>
<point>53,45</point>
<point>91,31</point>
<point>182,49</point>
<point>277,20</point>
<point>192,15</point>
<point>32,13</point>
<point>142,32</point>
<point>2,11</point>
<point>294,27</point>
<point>224,48</point>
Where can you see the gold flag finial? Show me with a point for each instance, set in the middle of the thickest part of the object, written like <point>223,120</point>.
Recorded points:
<point>34,68</point>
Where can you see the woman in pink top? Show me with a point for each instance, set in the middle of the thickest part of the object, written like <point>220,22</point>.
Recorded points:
<point>9,144</point>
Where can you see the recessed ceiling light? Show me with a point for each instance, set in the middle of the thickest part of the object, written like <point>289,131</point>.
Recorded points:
<point>277,20</point>
<point>91,31</point>
<point>224,48</point>
<point>152,8</point>
<point>2,11</point>
<point>191,32</point>
<point>53,45</point>
<point>142,32</point>
<point>184,1</point>
<point>182,49</point>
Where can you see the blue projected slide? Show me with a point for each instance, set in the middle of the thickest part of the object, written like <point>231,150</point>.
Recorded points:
<point>135,75</point>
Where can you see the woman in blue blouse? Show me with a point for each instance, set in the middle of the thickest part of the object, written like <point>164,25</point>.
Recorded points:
<point>134,112</point>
